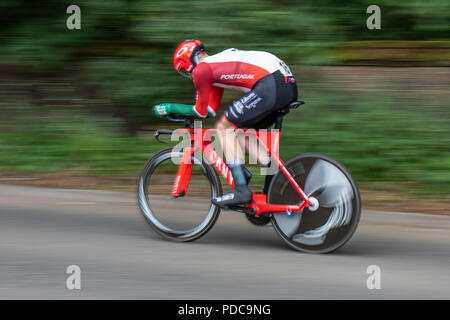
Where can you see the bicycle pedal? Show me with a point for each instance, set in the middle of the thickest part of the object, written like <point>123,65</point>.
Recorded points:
<point>223,206</point>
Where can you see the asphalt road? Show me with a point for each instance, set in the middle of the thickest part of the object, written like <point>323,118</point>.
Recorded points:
<point>43,231</point>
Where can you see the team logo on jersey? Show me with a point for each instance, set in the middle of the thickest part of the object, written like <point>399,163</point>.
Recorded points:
<point>248,97</point>
<point>246,102</point>
<point>289,79</point>
<point>253,103</point>
<point>237,76</point>
<point>238,106</point>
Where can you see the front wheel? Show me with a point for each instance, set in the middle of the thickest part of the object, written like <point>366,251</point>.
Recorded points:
<point>183,218</point>
<point>334,221</point>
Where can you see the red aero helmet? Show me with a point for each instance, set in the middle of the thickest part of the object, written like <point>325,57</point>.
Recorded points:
<point>185,55</point>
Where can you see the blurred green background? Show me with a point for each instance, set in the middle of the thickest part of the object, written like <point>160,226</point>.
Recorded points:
<point>78,102</point>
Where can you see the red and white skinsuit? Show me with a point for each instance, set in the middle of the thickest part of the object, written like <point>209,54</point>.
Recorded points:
<point>233,69</point>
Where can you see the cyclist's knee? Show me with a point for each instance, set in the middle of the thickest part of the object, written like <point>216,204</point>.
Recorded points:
<point>223,125</point>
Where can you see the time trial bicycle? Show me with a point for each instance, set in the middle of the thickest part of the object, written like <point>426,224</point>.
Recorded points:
<point>312,201</point>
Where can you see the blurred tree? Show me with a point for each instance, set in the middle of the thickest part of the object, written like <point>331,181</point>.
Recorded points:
<point>126,46</point>
<point>121,59</point>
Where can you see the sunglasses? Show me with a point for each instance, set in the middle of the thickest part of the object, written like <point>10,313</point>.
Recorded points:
<point>194,60</point>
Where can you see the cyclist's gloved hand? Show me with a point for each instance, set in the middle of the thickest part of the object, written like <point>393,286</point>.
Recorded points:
<point>165,109</point>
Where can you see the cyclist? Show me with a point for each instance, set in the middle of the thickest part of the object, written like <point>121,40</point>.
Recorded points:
<point>268,85</point>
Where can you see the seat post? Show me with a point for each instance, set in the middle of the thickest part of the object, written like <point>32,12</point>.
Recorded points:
<point>279,121</point>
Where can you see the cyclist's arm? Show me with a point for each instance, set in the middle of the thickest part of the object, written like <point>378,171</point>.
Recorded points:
<point>214,100</point>
<point>203,81</point>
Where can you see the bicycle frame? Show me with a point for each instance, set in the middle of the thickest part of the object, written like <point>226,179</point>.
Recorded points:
<point>269,140</point>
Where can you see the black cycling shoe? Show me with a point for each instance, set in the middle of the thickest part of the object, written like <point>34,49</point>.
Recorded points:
<point>241,194</point>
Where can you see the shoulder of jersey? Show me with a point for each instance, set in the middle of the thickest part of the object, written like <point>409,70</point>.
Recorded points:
<point>202,70</point>
<point>222,55</point>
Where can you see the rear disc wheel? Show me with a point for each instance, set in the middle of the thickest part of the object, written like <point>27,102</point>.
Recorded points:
<point>332,220</point>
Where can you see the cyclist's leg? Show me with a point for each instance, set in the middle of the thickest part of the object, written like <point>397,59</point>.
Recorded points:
<point>235,161</point>
<point>256,152</point>
<point>233,143</point>
<point>228,139</point>
<point>250,108</point>
<point>277,93</point>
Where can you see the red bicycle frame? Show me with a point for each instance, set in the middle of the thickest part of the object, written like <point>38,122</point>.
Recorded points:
<point>201,140</point>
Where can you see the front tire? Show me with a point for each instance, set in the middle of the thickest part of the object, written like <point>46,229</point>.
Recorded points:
<point>184,218</point>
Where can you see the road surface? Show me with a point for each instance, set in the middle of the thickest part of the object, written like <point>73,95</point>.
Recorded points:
<point>43,231</point>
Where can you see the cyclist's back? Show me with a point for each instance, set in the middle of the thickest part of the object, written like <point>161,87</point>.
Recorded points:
<point>240,69</point>
<point>267,81</point>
